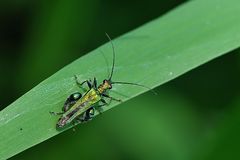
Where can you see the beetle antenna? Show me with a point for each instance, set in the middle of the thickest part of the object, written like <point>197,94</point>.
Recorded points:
<point>113,62</point>
<point>135,84</point>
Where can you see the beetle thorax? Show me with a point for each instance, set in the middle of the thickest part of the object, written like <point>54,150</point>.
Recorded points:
<point>104,86</point>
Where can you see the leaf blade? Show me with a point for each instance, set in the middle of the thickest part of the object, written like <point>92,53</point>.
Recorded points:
<point>152,55</point>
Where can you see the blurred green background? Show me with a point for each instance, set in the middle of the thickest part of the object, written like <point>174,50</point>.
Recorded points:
<point>195,116</point>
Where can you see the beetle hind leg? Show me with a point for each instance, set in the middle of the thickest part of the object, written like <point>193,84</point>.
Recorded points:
<point>56,113</point>
<point>71,100</point>
<point>86,116</point>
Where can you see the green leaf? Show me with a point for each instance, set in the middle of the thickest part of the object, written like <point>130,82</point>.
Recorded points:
<point>151,55</point>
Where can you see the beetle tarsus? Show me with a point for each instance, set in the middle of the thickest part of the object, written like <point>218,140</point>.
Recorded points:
<point>56,113</point>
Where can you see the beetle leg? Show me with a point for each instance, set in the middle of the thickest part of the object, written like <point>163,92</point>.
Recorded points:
<point>89,84</point>
<point>99,107</point>
<point>56,113</point>
<point>80,84</point>
<point>107,96</point>
<point>86,116</point>
<point>89,114</point>
<point>71,100</point>
<point>104,102</point>
<point>95,82</point>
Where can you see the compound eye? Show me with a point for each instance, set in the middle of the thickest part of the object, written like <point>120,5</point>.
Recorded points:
<point>110,86</point>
